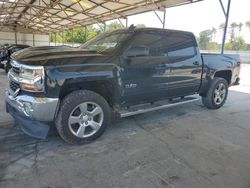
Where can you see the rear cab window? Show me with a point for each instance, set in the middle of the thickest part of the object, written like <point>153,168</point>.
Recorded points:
<point>166,43</point>
<point>179,44</point>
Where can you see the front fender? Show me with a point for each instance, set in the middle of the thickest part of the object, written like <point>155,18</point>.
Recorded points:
<point>59,77</point>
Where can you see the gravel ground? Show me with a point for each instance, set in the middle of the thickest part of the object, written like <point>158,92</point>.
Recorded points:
<point>187,146</point>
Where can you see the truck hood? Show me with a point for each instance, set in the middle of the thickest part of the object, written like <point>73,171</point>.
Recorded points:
<point>48,55</point>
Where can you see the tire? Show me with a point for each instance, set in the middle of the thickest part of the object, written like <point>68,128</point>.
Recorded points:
<point>211,100</point>
<point>80,107</point>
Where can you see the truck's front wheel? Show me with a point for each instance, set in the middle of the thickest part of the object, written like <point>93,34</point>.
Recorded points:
<point>82,117</point>
<point>217,94</point>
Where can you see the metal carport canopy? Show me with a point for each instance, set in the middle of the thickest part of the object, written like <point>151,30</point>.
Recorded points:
<point>51,16</point>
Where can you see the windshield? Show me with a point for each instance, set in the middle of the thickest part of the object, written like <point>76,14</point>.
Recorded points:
<point>106,42</point>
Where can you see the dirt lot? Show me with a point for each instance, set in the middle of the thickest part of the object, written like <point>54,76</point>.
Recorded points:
<point>186,146</point>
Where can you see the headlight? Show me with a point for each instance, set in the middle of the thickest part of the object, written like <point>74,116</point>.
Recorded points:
<point>32,78</point>
<point>31,72</point>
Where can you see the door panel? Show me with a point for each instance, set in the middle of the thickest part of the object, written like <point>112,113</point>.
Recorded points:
<point>145,78</point>
<point>185,73</point>
<point>184,63</point>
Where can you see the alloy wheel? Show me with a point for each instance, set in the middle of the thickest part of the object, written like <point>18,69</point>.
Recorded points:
<point>85,119</point>
<point>219,93</point>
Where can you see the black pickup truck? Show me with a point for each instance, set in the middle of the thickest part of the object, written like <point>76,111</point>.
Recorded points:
<point>5,55</point>
<point>123,73</point>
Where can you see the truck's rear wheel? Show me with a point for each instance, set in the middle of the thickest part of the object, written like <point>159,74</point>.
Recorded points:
<point>83,116</point>
<point>217,94</point>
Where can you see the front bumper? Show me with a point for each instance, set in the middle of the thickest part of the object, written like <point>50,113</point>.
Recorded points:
<point>32,113</point>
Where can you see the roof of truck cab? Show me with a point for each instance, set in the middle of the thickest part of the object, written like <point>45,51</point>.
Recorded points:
<point>150,29</point>
<point>160,29</point>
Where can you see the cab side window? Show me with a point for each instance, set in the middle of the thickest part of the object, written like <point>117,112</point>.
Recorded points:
<point>178,45</point>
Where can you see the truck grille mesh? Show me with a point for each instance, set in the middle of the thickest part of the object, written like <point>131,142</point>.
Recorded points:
<point>13,85</point>
<point>16,70</point>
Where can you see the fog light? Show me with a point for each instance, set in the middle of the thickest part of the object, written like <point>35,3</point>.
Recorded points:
<point>30,87</point>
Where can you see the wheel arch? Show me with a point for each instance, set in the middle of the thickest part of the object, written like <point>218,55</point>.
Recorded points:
<point>226,74</point>
<point>104,88</point>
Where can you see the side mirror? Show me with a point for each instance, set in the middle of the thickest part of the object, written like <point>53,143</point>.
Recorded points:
<point>136,51</point>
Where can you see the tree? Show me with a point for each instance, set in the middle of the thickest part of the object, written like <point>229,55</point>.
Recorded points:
<point>248,25</point>
<point>76,35</point>
<point>214,31</point>
<point>222,26</point>
<point>113,26</point>
<point>140,26</point>
<point>240,27</point>
<point>237,44</point>
<point>233,27</point>
<point>204,39</point>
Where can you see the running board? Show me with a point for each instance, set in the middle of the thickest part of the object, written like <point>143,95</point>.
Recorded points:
<point>140,109</point>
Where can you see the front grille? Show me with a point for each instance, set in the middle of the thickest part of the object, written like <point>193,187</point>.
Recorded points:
<point>14,86</point>
<point>16,70</point>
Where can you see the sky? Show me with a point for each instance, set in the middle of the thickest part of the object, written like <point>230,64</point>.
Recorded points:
<point>199,16</point>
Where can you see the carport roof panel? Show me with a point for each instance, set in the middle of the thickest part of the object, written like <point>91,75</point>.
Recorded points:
<point>50,16</point>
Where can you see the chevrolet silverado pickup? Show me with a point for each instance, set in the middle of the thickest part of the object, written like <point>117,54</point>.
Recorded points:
<point>119,73</point>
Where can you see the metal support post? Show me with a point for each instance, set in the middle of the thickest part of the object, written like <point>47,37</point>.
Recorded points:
<point>33,39</point>
<point>121,22</point>
<point>162,20</point>
<point>85,33</point>
<point>226,24</point>
<point>104,26</point>
<point>15,37</point>
<point>49,38</point>
<point>101,27</point>
<point>55,38</point>
<point>62,34</point>
<point>72,35</point>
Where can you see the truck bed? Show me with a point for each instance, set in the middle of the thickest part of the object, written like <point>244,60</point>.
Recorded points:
<point>216,61</point>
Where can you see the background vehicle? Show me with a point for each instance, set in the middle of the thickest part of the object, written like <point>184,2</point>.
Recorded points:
<point>2,54</point>
<point>6,54</point>
<point>125,72</point>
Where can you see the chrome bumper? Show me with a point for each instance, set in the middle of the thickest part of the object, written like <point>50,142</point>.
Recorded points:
<point>36,108</point>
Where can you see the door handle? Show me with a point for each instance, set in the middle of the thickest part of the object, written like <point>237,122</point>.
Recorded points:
<point>196,63</point>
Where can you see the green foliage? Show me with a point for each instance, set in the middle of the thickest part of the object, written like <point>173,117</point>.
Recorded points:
<point>214,46</point>
<point>80,35</point>
<point>248,25</point>
<point>140,26</point>
<point>113,26</point>
<point>205,38</point>
<point>222,26</point>
<point>236,42</point>
<point>77,35</point>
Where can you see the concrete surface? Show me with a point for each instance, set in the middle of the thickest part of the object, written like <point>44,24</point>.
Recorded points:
<point>187,146</point>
